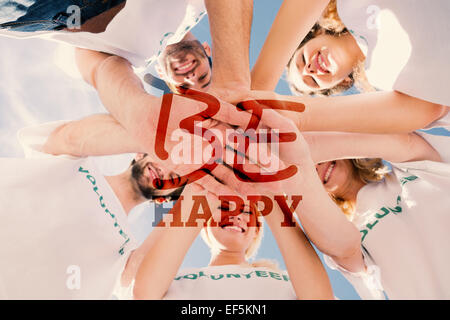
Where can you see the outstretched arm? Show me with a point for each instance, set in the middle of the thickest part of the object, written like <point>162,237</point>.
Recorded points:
<point>95,135</point>
<point>162,254</point>
<point>323,222</point>
<point>306,271</point>
<point>101,135</point>
<point>123,95</point>
<point>230,23</point>
<point>328,146</point>
<point>294,20</point>
<point>374,112</point>
<point>120,91</point>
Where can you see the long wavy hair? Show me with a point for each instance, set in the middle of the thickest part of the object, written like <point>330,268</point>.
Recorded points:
<point>369,170</point>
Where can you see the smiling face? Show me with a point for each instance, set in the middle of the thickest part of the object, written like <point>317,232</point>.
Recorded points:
<point>148,178</point>
<point>324,62</point>
<point>234,233</point>
<point>186,64</point>
<point>336,176</point>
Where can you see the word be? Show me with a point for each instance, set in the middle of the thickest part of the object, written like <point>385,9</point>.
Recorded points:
<point>255,107</point>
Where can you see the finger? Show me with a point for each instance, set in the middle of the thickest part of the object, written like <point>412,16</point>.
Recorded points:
<point>227,176</point>
<point>267,112</point>
<point>196,188</point>
<point>226,112</point>
<point>260,163</point>
<point>216,186</point>
<point>252,182</point>
<point>282,105</point>
<point>258,160</point>
<point>232,115</point>
<point>234,154</point>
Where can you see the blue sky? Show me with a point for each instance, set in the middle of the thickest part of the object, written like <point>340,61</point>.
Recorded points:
<point>40,83</point>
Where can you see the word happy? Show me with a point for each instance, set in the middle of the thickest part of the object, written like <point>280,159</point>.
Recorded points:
<point>201,210</point>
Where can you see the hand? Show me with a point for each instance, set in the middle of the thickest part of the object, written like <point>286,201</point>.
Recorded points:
<point>268,108</point>
<point>222,175</point>
<point>181,112</point>
<point>273,116</point>
<point>231,92</point>
<point>221,178</point>
<point>288,106</point>
<point>291,150</point>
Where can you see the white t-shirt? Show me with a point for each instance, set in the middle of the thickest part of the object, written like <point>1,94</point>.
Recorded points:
<point>404,223</point>
<point>443,122</point>
<point>406,43</point>
<point>440,143</point>
<point>231,282</point>
<point>139,32</point>
<point>64,233</point>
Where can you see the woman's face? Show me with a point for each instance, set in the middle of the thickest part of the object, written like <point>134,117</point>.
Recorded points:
<point>234,232</point>
<point>336,175</point>
<point>322,63</point>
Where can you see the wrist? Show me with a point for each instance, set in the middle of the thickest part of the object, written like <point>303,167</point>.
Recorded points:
<point>230,83</point>
<point>306,171</point>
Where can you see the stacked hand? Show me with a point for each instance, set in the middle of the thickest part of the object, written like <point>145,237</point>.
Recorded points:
<point>260,114</point>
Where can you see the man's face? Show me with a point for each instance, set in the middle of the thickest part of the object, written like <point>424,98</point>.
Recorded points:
<point>186,64</point>
<point>148,177</point>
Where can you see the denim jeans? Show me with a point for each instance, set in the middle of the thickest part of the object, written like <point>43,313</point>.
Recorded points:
<point>45,15</point>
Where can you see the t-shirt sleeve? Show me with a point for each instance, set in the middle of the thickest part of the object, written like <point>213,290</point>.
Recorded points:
<point>366,283</point>
<point>443,122</point>
<point>33,138</point>
<point>123,293</point>
<point>440,143</point>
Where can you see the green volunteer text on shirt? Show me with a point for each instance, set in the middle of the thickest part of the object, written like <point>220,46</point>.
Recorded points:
<point>384,211</point>
<point>219,276</point>
<point>102,204</point>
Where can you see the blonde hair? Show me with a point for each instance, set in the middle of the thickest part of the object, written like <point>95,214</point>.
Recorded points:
<point>329,23</point>
<point>368,170</point>
<point>330,19</point>
<point>252,249</point>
